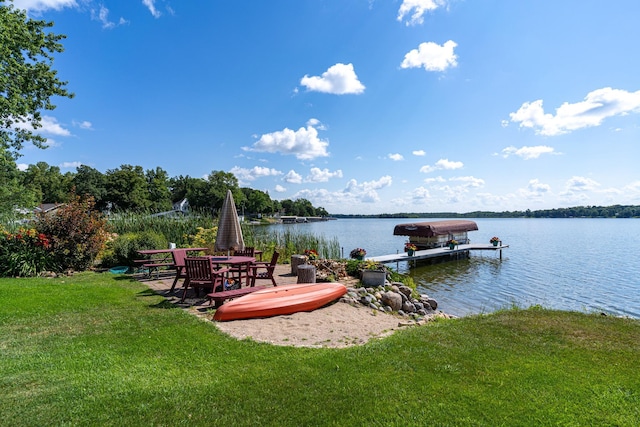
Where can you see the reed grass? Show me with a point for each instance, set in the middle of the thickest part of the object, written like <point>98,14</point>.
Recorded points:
<point>290,242</point>
<point>176,229</point>
<point>179,230</point>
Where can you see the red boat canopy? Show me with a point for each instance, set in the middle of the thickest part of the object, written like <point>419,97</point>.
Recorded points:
<point>434,228</point>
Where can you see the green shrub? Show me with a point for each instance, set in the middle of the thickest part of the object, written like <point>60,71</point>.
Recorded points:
<point>405,279</point>
<point>353,267</point>
<point>123,250</point>
<point>77,233</point>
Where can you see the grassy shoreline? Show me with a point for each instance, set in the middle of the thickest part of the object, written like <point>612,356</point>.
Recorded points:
<point>98,349</point>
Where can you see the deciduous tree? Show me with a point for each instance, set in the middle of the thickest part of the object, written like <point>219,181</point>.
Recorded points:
<point>27,78</point>
<point>127,188</point>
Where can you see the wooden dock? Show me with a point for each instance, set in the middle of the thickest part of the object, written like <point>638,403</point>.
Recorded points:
<point>437,252</point>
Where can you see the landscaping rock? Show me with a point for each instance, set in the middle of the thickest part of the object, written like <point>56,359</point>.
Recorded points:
<point>405,290</point>
<point>408,307</point>
<point>393,300</point>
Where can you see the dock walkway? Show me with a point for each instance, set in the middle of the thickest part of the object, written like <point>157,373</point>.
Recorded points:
<point>437,252</point>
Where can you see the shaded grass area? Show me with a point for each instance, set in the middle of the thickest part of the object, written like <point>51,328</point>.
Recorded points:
<point>97,349</point>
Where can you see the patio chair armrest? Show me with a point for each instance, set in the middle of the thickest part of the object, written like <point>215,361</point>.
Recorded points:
<point>260,264</point>
<point>222,271</point>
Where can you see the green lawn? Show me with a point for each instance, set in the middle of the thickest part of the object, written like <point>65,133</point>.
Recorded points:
<point>98,349</point>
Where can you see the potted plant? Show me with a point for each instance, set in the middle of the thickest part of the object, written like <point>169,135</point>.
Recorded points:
<point>358,253</point>
<point>311,254</point>
<point>452,244</point>
<point>410,248</point>
<point>495,240</point>
<point>373,274</point>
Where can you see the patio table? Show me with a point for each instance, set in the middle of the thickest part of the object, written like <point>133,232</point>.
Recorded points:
<point>240,264</point>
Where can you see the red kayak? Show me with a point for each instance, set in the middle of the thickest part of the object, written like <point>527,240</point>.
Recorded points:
<point>279,300</point>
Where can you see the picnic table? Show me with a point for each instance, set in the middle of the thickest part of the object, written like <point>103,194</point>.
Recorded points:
<point>157,258</point>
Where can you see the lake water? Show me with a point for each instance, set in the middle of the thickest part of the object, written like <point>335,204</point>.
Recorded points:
<point>569,264</point>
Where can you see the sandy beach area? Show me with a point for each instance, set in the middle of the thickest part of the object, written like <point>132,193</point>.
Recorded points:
<point>336,325</point>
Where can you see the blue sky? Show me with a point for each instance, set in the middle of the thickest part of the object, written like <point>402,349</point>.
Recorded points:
<point>360,106</point>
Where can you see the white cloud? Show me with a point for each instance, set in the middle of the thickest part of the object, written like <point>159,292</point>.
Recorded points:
<point>150,4</point>
<point>577,189</point>
<point>418,153</point>
<point>22,166</point>
<point>419,8</point>
<point>396,157</point>
<point>469,181</point>
<point>48,126</point>
<point>102,16</point>
<point>66,165</point>
<point>488,199</point>
<point>254,173</point>
<point>316,124</point>
<point>83,125</point>
<point>292,177</point>
<point>352,195</point>
<point>339,79</point>
<point>535,190</point>
<point>597,106</point>
<point>634,186</point>
<point>580,183</point>
<point>527,153</point>
<point>441,164</point>
<point>431,56</point>
<point>42,5</point>
<point>303,143</point>
<point>322,175</point>
<point>51,126</point>
<point>279,189</point>
<point>52,143</point>
<point>367,191</point>
<point>420,195</point>
<point>436,179</point>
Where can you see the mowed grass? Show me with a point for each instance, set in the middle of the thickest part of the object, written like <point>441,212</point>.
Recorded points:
<point>98,349</point>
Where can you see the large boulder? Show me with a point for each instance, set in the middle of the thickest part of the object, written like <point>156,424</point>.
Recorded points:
<point>393,300</point>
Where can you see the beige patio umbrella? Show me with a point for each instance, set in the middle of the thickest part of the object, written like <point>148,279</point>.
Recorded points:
<point>229,232</point>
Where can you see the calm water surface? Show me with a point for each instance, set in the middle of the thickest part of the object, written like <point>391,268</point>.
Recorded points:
<point>568,264</point>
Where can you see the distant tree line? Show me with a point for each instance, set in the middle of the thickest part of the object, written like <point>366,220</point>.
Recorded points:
<point>131,188</point>
<point>614,211</point>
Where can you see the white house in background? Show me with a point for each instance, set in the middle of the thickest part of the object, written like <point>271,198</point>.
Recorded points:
<point>47,207</point>
<point>181,206</point>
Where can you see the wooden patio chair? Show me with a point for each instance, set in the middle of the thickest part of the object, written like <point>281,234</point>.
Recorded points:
<point>240,272</point>
<point>178,256</point>
<point>201,274</point>
<point>247,251</point>
<point>268,267</point>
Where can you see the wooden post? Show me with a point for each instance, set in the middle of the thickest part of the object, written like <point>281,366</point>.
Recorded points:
<point>297,260</point>
<point>306,274</point>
